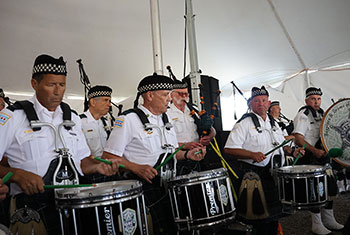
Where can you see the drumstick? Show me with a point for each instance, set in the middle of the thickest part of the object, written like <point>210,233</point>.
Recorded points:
<point>106,161</point>
<point>168,158</point>
<point>299,155</point>
<point>69,186</point>
<point>7,177</point>
<point>279,146</point>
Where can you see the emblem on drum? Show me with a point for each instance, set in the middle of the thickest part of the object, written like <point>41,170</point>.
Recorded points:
<point>335,129</point>
<point>223,194</point>
<point>320,189</point>
<point>214,209</point>
<point>129,221</point>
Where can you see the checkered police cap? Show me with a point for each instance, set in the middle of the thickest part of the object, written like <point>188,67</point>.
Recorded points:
<point>179,85</point>
<point>155,82</point>
<point>98,91</point>
<point>259,91</point>
<point>313,91</point>
<point>45,64</point>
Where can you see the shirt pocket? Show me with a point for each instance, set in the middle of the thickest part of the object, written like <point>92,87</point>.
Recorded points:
<point>179,125</point>
<point>93,139</point>
<point>254,139</point>
<point>71,140</point>
<point>33,145</point>
<point>151,140</point>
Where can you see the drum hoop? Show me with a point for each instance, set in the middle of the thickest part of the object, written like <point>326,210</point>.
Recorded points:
<point>318,170</point>
<point>200,176</point>
<point>93,202</point>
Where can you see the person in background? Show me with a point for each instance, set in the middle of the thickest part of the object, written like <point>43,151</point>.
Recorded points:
<point>275,111</point>
<point>307,132</point>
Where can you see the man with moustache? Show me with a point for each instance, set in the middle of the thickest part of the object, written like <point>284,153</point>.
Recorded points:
<point>140,140</point>
<point>307,125</point>
<point>30,151</point>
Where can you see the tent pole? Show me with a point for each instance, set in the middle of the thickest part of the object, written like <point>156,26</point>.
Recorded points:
<point>156,37</point>
<point>195,76</point>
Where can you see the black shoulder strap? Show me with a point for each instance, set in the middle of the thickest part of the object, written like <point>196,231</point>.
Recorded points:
<point>191,107</point>
<point>254,118</point>
<point>145,120</point>
<point>272,120</point>
<point>82,116</point>
<point>28,109</point>
<point>108,131</point>
<point>31,114</point>
<point>309,109</point>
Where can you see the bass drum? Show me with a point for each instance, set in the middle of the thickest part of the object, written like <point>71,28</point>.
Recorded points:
<point>335,130</point>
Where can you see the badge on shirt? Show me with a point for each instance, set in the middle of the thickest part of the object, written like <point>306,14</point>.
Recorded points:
<point>149,132</point>
<point>174,119</point>
<point>4,118</point>
<point>90,130</point>
<point>119,123</point>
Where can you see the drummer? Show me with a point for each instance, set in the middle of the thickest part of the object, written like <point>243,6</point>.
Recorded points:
<point>185,124</point>
<point>307,131</point>
<point>253,135</point>
<point>31,153</point>
<point>139,149</point>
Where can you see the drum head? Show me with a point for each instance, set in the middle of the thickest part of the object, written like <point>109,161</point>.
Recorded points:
<point>101,194</point>
<point>300,169</point>
<point>199,176</point>
<point>335,130</point>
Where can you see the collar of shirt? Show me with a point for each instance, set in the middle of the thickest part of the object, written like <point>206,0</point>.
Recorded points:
<point>154,119</point>
<point>90,117</point>
<point>44,112</point>
<point>176,109</point>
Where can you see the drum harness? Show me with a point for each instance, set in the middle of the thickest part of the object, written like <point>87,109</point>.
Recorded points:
<point>65,172</point>
<point>168,170</point>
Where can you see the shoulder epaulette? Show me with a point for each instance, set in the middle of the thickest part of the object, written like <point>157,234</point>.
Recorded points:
<point>309,109</point>
<point>82,116</point>
<point>256,121</point>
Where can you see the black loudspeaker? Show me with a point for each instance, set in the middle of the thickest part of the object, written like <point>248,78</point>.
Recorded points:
<point>210,92</point>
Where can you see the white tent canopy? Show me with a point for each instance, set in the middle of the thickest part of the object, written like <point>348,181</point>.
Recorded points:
<point>251,42</point>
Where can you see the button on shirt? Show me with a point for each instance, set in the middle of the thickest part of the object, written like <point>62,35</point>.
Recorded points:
<point>245,136</point>
<point>95,134</point>
<point>307,126</point>
<point>185,128</point>
<point>130,140</point>
<point>34,150</point>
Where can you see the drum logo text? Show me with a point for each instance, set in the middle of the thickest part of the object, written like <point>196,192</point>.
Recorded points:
<point>108,220</point>
<point>214,209</point>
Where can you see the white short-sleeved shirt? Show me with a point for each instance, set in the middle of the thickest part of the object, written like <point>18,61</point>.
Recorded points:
<point>95,133</point>
<point>245,136</point>
<point>307,126</point>
<point>130,140</point>
<point>34,150</point>
<point>185,128</point>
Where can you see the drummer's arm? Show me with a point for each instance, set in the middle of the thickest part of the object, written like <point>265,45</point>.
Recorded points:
<point>300,141</point>
<point>90,166</point>
<point>143,171</point>
<point>245,154</point>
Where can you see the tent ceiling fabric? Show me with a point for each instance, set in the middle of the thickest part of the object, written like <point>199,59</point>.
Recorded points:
<point>237,40</point>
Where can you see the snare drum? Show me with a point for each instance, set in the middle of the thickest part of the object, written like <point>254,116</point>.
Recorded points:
<point>201,199</point>
<point>116,207</point>
<point>302,186</point>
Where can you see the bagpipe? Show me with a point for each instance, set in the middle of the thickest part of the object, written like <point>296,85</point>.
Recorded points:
<point>84,79</point>
<point>287,124</point>
<point>203,120</point>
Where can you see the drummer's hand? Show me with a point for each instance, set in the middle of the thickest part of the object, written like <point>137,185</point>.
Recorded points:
<point>30,183</point>
<point>3,190</point>
<point>106,169</point>
<point>192,145</point>
<point>205,140</point>
<point>297,151</point>
<point>258,156</point>
<point>318,153</point>
<point>145,172</point>
<point>196,154</point>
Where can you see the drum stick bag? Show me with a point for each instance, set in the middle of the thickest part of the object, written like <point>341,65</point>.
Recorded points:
<point>251,203</point>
